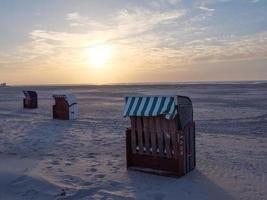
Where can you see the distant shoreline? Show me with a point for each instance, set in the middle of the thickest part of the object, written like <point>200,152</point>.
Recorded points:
<point>147,83</point>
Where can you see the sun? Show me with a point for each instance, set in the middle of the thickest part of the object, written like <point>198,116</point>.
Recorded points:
<point>99,55</point>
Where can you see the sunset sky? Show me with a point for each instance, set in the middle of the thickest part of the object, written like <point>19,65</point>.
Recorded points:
<point>120,41</point>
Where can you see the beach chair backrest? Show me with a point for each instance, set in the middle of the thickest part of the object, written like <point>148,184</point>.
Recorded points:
<point>155,136</point>
<point>65,106</point>
<point>30,100</point>
<point>61,108</point>
<point>30,94</point>
<point>185,111</point>
<point>61,103</point>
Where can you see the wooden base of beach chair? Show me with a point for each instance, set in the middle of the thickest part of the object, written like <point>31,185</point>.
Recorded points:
<point>30,104</point>
<point>61,111</point>
<point>159,148</point>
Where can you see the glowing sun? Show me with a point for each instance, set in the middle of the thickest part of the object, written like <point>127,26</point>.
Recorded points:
<point>99,55</point>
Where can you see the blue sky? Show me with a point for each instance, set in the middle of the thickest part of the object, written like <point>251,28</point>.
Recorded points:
<point>47,41</point>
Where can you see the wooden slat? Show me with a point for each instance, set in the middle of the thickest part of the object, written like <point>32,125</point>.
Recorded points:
<point>153,133</point>
<point>192,159</point>
<point>174,137</point>
<point>194,139</point>
<point>187,150</point>
<point>155,165</point>
<point>146,133</point>
<point>133,134</point>
<point>167,137</point>
<point>128,148</point>
<point>159,137</point>
<point>140,135</point>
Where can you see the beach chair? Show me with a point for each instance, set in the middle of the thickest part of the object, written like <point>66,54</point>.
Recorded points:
<point>161,138</point>
<point>30,100</point>
<point>65,107</point>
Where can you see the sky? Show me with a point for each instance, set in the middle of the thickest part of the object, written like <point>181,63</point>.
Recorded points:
<point>132,41</point>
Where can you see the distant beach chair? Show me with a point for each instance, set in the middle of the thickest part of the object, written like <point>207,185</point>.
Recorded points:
<point>30,100</point>
<point>161,139</point>
<point>65,107</point>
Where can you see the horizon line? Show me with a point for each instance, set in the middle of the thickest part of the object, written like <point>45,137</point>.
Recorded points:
<point>142,83</point>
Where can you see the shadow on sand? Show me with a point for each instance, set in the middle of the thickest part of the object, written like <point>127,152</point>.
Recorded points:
<point>192,186</point>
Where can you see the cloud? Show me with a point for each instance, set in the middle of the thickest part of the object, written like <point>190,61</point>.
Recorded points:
<point>205,3</point>
<point>37,13</point>
<point>206,9</point>
<point>144,39</point>
<point>174,1</point>
<point>75,19</point>
<point>247,47</point>
<point>139,20</point>
<point>147,52</point>
<point>74,16</point>
<point>163,3</point>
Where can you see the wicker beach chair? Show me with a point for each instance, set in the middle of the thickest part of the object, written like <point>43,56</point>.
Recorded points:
<point>161,138</point>
<point>65,107</point>
<point>30,100</point>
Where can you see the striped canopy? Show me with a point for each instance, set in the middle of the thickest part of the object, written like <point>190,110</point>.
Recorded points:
<point>150,106</point>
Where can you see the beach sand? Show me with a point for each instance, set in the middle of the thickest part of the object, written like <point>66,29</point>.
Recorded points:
<point>42,158</point>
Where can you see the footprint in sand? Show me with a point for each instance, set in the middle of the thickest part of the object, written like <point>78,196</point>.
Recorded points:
<point>87,183</point>
<point>55,162</point>
<point>116,155</point>
<point>100,176</point>
<point>68,164</point>
<point>93,170</point>
<point>91,155</point>
<point>71,159</point>
<point>12,153</point>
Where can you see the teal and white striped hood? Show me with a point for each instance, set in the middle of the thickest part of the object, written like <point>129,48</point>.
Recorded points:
<point>151,106</point>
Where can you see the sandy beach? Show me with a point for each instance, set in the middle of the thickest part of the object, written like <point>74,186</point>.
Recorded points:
<point>42,158</point>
